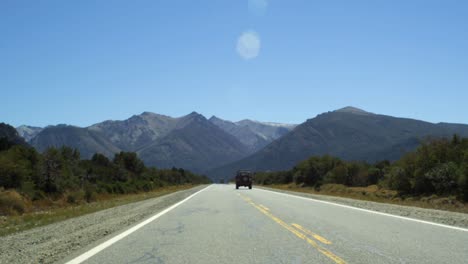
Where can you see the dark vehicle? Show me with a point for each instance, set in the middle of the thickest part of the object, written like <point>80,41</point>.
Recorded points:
<point>244,178</point>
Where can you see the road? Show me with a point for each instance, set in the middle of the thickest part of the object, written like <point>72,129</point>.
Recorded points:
<point>223,225</point>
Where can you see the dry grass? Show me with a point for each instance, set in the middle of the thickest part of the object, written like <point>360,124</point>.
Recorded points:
<point>12,203</point>
<point>45,212</point>
<point>375,194</point>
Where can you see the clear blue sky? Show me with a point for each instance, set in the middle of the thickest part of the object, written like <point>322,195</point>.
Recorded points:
<point>82,62</point>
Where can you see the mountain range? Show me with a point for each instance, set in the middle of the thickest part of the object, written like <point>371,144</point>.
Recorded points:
<point>219,147</point>
<point>192,141</point>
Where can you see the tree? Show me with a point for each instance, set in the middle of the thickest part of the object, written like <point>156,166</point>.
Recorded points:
<point>130,162</point>
<point>17,165</point>
<point>51,166</point>
<point>463,185</point>
<point>5,144</point>
<point>100,160</point>
<point>338,174</point>
<point>398,180</point>
<point>443,178</point>
<point>374,175</point>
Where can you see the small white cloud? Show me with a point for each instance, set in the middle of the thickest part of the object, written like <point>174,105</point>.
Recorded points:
<point>258,7</point>
<point>248,45</point>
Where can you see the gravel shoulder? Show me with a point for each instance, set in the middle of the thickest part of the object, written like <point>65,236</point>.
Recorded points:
<point>54,242</point>
<point>437,216</point>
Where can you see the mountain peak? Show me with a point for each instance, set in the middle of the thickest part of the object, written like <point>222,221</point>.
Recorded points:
<point>245,122</point>
<point>353,110</point>
<point>146,113</point>
<point>194,114</point>
<point>215,118</point>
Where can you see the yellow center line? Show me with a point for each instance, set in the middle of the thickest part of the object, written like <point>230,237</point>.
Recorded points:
<point>264,207</point>
<point>247,198</point>
<point>302,236</point>
<point>310,233</point>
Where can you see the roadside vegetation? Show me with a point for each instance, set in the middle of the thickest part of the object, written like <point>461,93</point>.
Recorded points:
<point>58,184</point>
<point>51,211</point>
<point>435,176</point>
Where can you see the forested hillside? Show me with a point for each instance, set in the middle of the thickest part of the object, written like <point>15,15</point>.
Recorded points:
<point>437,167</point>
<point>60,173</point>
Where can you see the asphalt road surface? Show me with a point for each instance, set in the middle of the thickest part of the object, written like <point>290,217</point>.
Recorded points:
<point>222,225</point>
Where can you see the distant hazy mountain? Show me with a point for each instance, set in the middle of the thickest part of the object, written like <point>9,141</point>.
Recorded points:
<point>10,133</point>
<point>348,133</point>
<point>86,141</point>
<point>191,141</point>
<point>28,132</point>
<point>255,135</point>
<point>195,144</point>
<point>137,131</point>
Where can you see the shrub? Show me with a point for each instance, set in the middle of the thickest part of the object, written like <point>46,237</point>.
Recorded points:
<point>443,178</point>
<point>89,193</point>
<point>11,203</point>
<point>398,180</point>
<point>75,197</point>
<point>463,186</point>
<point>39,195</point>
<point>28,189</point>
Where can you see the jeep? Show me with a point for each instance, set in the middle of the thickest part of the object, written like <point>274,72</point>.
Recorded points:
<point>244,178</point>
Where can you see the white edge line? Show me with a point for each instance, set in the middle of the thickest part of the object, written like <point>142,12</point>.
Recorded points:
<point>369,211</point>
<point>88,254</point>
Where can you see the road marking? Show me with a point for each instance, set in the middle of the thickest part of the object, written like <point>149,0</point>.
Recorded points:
<point>302,236</point>
<point>264,207</point>
<point>369,211</point>
<point>310,233</point>
<point>106,244</point>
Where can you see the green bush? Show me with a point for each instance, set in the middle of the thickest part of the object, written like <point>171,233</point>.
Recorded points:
<point>463,186</point>
<point>398,180</point>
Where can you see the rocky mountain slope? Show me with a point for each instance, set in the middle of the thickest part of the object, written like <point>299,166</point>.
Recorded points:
<point>85,140</point>
<point>255,135</point>
<point>137,131</point>
<point>28,132</point>
<point>197,145</point>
